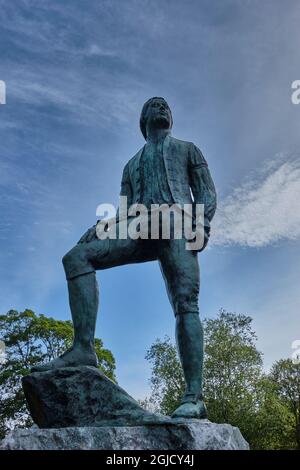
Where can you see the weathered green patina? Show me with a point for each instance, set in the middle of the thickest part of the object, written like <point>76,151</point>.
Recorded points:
<point>165,170</point>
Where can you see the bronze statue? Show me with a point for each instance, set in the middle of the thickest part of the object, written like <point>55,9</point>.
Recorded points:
<point>165,171</point>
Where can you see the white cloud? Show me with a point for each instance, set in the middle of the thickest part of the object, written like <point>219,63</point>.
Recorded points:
<point>96,50</point>
<point>82,101</point>
<point>263,210</point>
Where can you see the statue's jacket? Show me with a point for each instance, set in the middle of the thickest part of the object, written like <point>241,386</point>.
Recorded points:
<point>187,174</point>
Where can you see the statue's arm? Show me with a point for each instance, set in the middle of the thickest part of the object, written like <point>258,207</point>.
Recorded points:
<point>202,185</point>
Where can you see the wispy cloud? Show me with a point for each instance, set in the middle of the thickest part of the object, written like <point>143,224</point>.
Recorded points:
<point>74,69</point>
<point>264,209</point>
<point>84,104</point>
<point>96,50</point>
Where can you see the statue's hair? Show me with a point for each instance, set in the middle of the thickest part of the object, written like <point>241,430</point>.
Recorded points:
<point>144,110</point>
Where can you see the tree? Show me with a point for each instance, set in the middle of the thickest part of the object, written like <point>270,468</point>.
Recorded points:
<point>273,421</point>
<point>167,381</point>
<point>285,375</point>
<point>31,339</point>
<point>266,407</point>
<point>232,369</point>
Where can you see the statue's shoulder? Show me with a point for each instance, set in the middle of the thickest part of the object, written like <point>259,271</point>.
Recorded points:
<point>180,143</point>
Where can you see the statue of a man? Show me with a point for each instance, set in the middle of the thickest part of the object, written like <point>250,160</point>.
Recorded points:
<point>165,171</point>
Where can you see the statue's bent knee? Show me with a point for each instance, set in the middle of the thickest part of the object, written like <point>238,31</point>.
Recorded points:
<point>76,263</point>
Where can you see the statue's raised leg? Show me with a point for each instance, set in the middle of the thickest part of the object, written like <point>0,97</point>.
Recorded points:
<point>80,264</point>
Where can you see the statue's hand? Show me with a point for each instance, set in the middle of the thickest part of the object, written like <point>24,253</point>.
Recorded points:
<point>89,235</point>
<point>206,234</point>
<point>206,238</point>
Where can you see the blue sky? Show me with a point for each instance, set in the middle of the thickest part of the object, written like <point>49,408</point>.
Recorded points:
<point>77,74</point>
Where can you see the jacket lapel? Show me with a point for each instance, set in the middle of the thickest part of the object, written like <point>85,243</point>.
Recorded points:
<point>166,147</point>
<point>138,157</point>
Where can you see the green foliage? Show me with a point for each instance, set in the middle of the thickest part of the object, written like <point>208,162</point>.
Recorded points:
<point>273,422</point>
<point>285,376</point>
<point>106,359</point>
<point>167,380</point>
<point>232,369</point>
<point>265,408</point>
<point>31,339</point>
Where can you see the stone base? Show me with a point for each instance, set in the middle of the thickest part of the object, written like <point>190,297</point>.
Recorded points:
<point>82,397</point>
<point>80,408</point>
<point>188,435</point>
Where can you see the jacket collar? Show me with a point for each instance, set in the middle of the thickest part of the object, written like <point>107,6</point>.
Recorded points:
<point>165,149</point>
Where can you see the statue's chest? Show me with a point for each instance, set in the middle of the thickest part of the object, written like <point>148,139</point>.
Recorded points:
<point>151,162</point>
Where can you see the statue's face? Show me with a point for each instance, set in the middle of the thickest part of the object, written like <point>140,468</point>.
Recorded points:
<point>158,114</point>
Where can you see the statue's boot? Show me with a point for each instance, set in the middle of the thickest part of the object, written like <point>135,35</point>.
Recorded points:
<point>189,338</point>
<point>191,409</point>
<point>83,298</point>
<point>71,358</point>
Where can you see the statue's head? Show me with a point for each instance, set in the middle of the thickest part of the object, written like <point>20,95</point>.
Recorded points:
<point>155,112</point>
